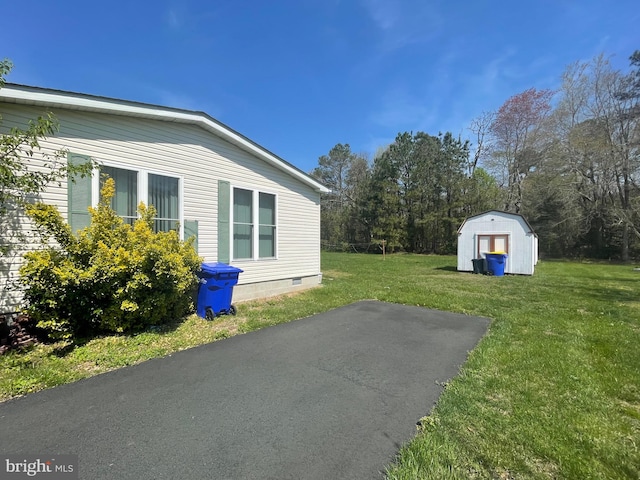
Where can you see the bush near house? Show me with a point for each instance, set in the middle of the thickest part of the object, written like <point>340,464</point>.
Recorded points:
<point>110,277</point>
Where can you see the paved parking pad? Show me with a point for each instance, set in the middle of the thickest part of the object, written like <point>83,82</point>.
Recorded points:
<point>330,396</point>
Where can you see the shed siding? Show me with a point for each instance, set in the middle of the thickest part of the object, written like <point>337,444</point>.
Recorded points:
<point>522,242</point>
<point>200,159</point>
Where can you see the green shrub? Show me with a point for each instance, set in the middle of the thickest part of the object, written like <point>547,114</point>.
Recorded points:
<point>110,277</point>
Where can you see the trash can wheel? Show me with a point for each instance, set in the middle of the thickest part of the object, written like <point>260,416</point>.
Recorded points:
<point>232,310</point>
<point>209,314</point>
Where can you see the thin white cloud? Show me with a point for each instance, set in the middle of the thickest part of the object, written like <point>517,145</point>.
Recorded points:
<point>383,12</point>
<point>491,78</point>
<point>174,19</point>
<point>171,99</point>
<point>403,22</point>
<point>446,101</point>
<point>176,100</point>
<point>375,145</point>
<point>185,18</point>
<point>402,110</point>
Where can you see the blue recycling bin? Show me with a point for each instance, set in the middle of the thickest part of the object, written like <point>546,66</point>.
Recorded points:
<point>495,263</point>
<point>216,289</point>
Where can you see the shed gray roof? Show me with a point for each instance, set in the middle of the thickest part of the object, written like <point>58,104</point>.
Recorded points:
<point>501,212</point>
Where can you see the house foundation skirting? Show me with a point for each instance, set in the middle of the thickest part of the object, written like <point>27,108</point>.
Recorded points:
<point>253,291</point>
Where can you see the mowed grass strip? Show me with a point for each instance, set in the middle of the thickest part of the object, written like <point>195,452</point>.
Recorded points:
<point>552,391</point>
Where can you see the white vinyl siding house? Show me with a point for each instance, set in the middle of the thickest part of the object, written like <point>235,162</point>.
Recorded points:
<point>244,205</point>
<point>497,231</point>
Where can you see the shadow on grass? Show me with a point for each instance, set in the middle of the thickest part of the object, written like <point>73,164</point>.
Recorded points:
<point>608,295</point>
<point>447,268</point>
<point>67,347</point>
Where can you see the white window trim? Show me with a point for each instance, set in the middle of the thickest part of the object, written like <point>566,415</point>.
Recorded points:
<point>143,187</point>
<point>255,210</point>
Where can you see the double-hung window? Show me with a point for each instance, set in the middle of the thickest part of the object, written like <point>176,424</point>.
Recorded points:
<point>132,186</point>
<point>254,224</point>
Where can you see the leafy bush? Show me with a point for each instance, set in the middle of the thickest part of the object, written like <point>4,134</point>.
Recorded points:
<point>111,276</point>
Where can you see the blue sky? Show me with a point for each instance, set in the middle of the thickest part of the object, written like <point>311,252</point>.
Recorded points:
<point>299,76</point>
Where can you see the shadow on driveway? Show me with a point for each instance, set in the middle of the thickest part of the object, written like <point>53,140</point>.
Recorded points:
<point>332,396</point>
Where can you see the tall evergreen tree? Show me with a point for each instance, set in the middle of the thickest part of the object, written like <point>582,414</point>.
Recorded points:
<point>343,172</point>
<point>383,204</point>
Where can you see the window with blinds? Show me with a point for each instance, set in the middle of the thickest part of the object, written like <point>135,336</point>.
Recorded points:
<point>163,192</point>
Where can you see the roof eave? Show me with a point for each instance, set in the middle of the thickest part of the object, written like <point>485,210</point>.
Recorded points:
<point>60,99</point>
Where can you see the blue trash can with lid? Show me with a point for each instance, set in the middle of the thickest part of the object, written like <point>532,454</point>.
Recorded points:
<point>216,289</point>
<point>495,263</point>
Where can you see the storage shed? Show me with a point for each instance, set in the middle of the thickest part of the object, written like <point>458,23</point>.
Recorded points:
<point>497,231</point>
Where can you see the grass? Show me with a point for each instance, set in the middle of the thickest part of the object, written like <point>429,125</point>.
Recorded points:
<point>552,391</point>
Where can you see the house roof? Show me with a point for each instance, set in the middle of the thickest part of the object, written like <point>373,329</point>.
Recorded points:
<point>22,94</point>
<point>502,212</point>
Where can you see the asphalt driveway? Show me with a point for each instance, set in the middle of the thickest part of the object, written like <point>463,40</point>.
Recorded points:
<point>332,396</point>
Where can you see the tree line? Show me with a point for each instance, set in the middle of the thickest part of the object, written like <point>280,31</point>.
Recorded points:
<point>568,160</point>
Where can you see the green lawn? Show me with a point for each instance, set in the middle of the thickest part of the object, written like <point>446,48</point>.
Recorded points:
<point>552,391</point>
